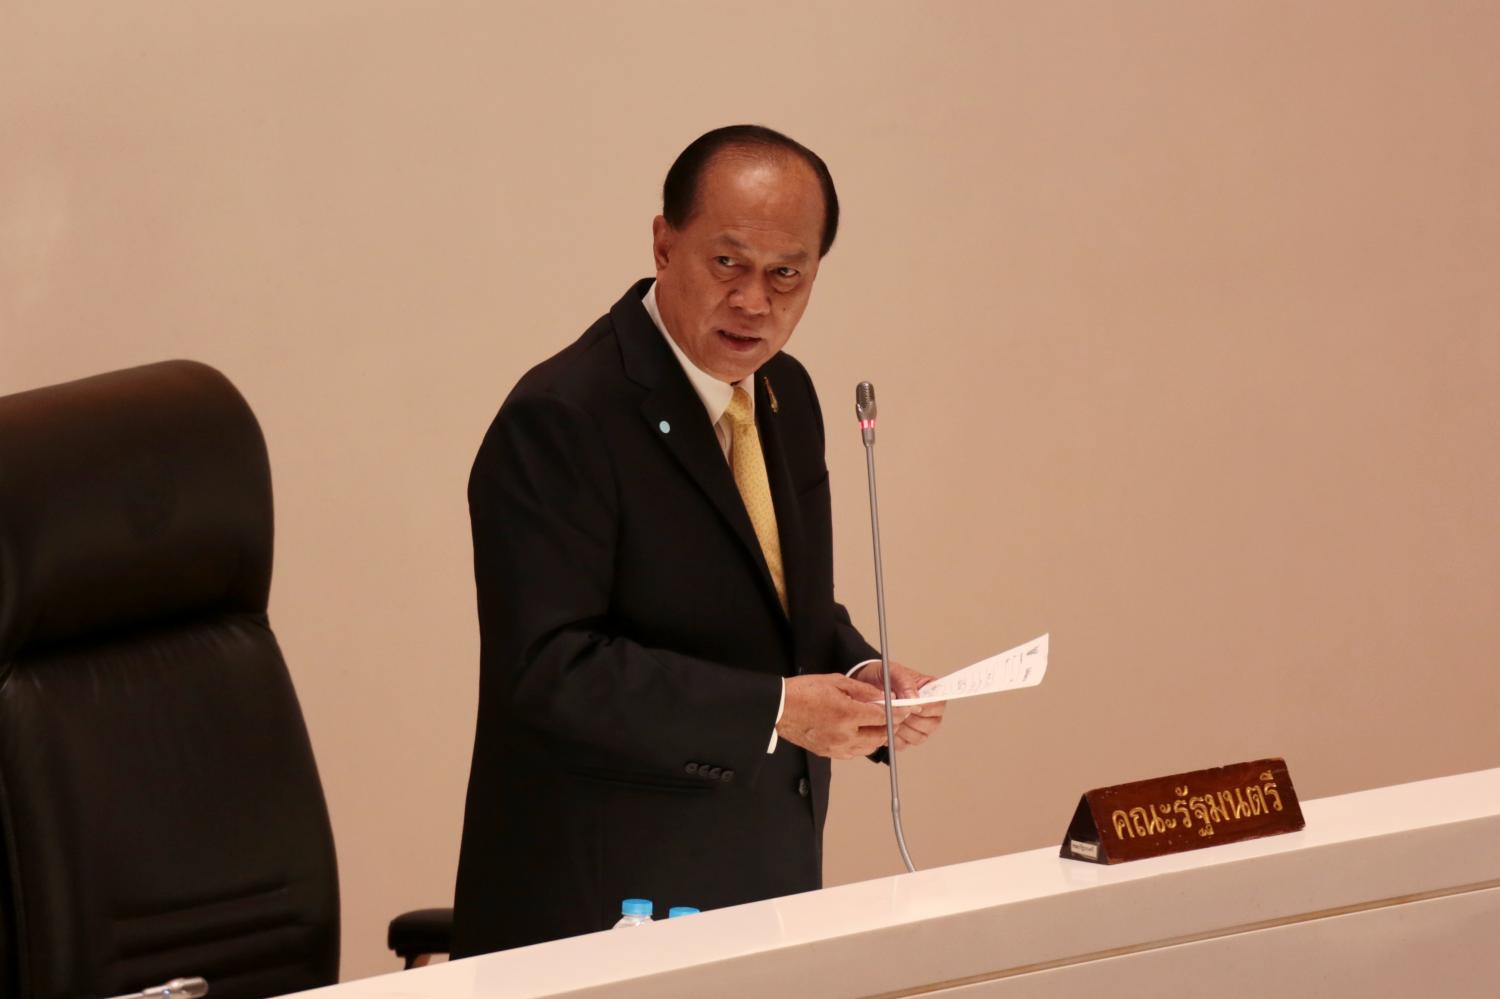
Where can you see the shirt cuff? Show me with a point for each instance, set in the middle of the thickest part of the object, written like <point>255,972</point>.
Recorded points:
<point>780,707</point>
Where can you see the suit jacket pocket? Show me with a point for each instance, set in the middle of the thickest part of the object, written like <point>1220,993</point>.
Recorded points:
<point>635,781</point>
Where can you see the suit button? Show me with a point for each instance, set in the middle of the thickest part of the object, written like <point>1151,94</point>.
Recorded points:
<point>692,768</point>
<point>714,773</point>
<point>803,787</point>
<point>728,776</point>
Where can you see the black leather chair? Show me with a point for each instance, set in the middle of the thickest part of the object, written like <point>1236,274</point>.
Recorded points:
<point>160,808</point>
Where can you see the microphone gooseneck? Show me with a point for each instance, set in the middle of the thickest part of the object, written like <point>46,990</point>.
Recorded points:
<point>864,408</point>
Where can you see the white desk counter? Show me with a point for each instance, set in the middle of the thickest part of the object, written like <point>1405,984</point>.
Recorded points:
<point>1389,892</point>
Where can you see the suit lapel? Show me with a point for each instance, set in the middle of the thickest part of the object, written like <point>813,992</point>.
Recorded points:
<point>784,497</point>
<point>674,416</point>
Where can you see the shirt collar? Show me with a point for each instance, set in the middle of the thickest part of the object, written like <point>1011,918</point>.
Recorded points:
<point>714,394</point>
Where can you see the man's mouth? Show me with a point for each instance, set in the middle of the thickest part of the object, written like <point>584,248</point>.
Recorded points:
<point>739,341</point>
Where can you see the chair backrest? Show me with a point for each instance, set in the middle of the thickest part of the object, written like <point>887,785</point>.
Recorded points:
<point>160,808</point>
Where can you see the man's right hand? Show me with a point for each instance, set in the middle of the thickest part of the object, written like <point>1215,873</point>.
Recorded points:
<point>830,714</point>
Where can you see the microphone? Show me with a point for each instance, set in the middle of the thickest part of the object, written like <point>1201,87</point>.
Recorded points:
<point>864,408</point>
<point>177,988</point>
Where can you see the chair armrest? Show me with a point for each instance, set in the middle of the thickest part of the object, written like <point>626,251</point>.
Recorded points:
<point>422,931</point>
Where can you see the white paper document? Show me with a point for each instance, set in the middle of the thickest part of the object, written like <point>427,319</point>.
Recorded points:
<point>1022,666</point>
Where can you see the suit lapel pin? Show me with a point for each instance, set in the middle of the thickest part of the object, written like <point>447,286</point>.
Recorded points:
<point>775,407</point>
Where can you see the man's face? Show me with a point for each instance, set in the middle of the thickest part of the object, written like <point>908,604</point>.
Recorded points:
<point>731,284</point>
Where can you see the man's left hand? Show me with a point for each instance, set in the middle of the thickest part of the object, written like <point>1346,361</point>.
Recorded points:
<point>905,682</point>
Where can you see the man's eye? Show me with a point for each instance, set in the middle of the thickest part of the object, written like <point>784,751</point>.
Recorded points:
<point>724,261</point>
<point>786,273</point>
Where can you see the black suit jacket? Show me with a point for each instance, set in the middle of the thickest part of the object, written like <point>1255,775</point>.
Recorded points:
<point>633,646</point>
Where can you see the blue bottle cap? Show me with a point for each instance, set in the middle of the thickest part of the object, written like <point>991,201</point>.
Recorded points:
<point>635,907</point>
<point>681,910</point>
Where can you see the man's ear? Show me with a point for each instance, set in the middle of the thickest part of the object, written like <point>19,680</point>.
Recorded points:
<point>661,241</point>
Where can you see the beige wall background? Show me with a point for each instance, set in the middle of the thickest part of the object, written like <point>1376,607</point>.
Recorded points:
<point>1185,320</point>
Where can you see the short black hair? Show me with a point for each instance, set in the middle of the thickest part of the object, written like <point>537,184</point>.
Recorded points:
<point>680,190</point>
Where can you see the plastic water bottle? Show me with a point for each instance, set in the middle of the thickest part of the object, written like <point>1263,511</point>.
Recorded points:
<point>634,912</point>
<point>681,910</point>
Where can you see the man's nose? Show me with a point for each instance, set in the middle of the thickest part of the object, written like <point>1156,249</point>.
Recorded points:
<point>751,297</point>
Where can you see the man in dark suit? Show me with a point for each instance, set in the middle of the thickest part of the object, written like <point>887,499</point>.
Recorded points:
<point>663,676</point>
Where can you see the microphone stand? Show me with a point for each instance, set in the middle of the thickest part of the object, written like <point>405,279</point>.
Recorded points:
<point>864,407</point>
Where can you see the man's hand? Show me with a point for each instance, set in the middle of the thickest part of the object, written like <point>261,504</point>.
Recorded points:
<point>831,715</point>
<point>923,720</point>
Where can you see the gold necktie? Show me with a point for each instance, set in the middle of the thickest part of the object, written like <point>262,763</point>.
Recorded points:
<point>749,467</point>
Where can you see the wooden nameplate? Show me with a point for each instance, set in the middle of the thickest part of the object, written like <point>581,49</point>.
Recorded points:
<point>1152,818</point>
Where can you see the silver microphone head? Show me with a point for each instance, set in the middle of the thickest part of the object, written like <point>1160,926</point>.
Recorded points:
<point>864,401</point>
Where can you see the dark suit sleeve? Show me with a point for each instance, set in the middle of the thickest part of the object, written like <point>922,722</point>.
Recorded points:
<point>543,505</point>
<point>850,647</point>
